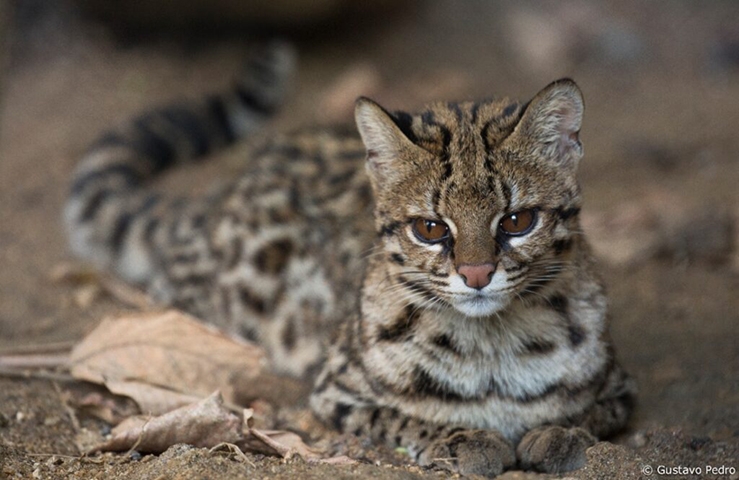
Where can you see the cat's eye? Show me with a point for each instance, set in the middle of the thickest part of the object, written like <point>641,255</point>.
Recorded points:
<point>518,223</point>
<point>430,231</point>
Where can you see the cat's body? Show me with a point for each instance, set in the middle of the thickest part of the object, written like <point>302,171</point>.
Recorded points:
<point>465,314</point>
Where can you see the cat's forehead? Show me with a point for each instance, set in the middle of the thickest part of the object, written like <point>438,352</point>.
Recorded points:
<point>461,129</point>
<point>471,171</point>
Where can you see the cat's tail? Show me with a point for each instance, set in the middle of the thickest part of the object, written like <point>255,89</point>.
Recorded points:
<point>108,190</point>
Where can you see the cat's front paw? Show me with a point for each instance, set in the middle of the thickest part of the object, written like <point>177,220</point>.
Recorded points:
<point>481,452</point>
<point>554,449</point>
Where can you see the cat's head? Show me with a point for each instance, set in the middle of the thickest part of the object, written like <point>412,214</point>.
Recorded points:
<point>476,203</point>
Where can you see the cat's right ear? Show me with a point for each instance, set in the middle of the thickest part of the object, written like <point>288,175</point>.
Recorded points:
<point>385,142</point>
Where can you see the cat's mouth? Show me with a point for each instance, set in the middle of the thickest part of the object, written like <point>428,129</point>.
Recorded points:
<point>479,304</point>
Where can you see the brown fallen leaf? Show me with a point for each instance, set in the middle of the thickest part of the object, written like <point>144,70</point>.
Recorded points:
<point>151,400</point>
<point>283,443</point>
<point>135,352</point>
<point>286,444</point>
<point>206,424</point>
<point>100,403</point>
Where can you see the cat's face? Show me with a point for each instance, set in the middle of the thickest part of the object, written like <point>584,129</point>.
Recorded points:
<point>476,203</point>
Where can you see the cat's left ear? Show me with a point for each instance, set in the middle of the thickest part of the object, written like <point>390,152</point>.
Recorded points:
<point>551,123</point>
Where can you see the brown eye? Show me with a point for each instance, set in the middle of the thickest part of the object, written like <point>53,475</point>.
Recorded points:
<point>518,223</point>
<point>430,231</point>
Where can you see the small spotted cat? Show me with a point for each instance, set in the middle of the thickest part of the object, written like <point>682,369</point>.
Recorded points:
<point>430,272</point>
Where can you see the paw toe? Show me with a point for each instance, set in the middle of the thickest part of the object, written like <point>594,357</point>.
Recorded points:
<point>554,449</point>
<point>479,452</point>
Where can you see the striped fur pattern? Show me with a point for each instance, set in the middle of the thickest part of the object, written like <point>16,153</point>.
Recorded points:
<point>478,345</point>
<point>107,197</point>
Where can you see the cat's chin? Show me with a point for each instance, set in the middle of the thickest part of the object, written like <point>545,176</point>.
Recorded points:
<point>480,306</point>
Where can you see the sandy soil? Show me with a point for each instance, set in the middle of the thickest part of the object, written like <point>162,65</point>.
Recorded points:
<point>661,81</point>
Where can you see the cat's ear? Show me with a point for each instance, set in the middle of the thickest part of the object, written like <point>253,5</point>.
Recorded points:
<point>551,123</point>
<point>385,142</point>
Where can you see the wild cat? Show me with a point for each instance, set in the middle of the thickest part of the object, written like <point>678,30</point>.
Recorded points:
<point>429,270</point>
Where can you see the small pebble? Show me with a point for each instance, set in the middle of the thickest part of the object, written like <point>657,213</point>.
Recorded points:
<point>51,421</point>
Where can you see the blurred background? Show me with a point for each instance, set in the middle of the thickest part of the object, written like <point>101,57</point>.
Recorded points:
<point>660,174</point>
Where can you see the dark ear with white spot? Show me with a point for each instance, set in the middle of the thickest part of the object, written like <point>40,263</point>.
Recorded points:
<point>551,122</point>
<point>385,142</point>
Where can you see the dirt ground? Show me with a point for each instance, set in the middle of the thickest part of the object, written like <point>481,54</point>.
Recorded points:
<point>661,82</point>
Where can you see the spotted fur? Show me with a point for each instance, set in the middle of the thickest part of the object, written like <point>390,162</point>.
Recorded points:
<point>313,250</point>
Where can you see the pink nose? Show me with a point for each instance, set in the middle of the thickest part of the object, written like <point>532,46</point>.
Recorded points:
<point>477,276</point>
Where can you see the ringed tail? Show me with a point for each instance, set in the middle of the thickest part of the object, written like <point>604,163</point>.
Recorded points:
<point>108,202</point>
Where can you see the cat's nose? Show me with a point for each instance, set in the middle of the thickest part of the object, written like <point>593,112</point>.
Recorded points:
<point>477,276</point>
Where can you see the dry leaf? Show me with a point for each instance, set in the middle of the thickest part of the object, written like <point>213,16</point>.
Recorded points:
<point>286,444</point>
<point>152,400</point>
<point>206,423</point>
<point>282,443</point>
<point>98,402</point>
<point>166,349</point>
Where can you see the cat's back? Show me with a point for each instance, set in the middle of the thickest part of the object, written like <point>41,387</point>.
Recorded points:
<point>279,256</point>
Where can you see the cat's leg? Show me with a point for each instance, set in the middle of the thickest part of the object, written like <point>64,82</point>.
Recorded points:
<point>345,399</point>
<point>459,449</point>
<point>555,449</point>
